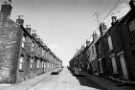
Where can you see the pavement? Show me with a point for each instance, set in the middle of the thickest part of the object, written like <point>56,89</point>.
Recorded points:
<point>26,85</point>
<point>108,84</point>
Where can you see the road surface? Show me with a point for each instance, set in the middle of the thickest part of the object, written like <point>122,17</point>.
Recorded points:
<point>65,81</point>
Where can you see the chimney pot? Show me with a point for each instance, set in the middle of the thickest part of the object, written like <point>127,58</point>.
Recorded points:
<point>28,28</point>
<point>6,9</point>
<point>20,20</point>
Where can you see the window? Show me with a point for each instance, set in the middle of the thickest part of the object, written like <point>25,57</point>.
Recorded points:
<point>23,41</point>
<point>114,64</point>
<point>21,61</point>
<point>22,44</point>
<point>42,64</point>
<point>132,25</point>
<point>31,63</point>
<point>132,30</point>
<point>123,66</point>
<point>38,63</point>
<point>110,43</point>
<point>94,51</point>
<point>32,46</point>
<point>43,52</point>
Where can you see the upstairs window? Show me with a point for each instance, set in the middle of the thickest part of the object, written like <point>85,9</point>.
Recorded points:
<point>32,46</point>
<point>38,63</point>
<point>21,62</point>
<point>23,41</point>
<point>132,26</point>
<point>110,43</point>
<point>22,45</point>
<point>132,30</point>
<point>31,63</point>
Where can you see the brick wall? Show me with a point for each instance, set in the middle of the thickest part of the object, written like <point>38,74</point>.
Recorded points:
<point>8,53</point>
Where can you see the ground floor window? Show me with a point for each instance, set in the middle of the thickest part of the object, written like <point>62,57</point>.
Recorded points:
<point>38,63</point>
<point>31,62</point>
<point>114,65</point>
<point>123,66</point>
<point>100,66</point>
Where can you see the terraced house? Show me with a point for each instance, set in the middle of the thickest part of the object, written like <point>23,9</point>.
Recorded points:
<point>23,54</point>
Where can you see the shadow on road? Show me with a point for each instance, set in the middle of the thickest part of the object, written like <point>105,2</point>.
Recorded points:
<point>87,82</point>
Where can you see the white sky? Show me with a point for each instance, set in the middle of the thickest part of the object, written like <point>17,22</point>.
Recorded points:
<point>64,24</point>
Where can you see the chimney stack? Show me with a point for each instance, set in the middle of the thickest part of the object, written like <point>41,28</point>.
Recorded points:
<point>20,20</point>
<point>87,42</point>
<point>132,4</point>
<point>95,36</point>
<point>6,9</point>
<point>102,28</point>
<point>114,20</point>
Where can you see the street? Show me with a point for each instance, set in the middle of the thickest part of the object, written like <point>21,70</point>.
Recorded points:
<point>64,81</point>
<point>79,45</point>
